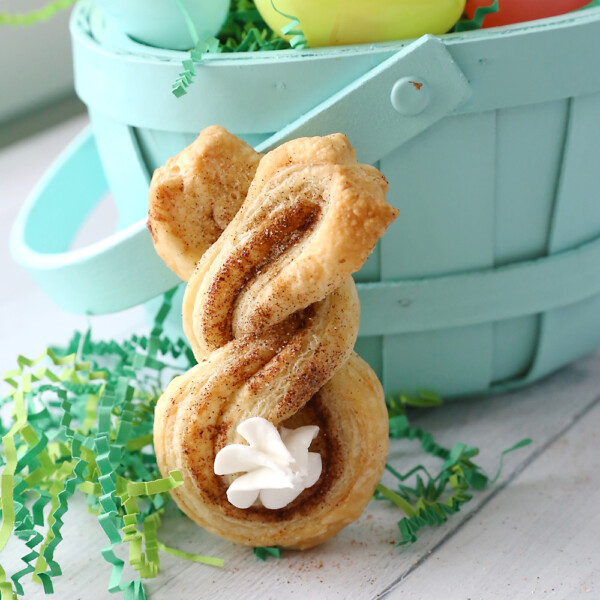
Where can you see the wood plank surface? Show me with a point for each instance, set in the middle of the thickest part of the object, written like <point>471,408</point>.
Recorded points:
<point>539,538</point>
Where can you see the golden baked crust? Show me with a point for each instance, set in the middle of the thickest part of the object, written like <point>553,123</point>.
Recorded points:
<point>196,194</point>
<point>352,441</point>
<point>272,315</point>
<point>313,223</point>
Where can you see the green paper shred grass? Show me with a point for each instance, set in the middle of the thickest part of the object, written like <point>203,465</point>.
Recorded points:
<point>478,17</point>
<point>263,552</point>
<point>592,4</point>
<point>298,40</point>
<point>243,31</point>
<point>431,500</point>
<point>34,16</point>
<point>82,421</point>
<point>246,31</point>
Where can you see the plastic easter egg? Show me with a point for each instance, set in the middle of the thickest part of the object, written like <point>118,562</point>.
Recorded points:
<point>162,24</point>
<point>518,11</point>
<point>341,22</point>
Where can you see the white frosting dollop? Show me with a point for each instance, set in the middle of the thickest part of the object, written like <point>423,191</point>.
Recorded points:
<point>278,467</point>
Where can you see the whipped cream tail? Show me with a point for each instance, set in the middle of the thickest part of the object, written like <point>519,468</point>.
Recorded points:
<point>278,466</point>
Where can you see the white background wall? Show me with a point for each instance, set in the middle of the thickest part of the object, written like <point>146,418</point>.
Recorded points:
<point>35,62</point>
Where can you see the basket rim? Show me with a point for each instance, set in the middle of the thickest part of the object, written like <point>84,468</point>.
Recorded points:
<point>91,27</point>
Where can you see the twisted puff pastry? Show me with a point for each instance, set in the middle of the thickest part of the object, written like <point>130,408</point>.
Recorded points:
<point>272,315</point>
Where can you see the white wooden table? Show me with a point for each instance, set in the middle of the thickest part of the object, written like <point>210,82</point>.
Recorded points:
<point>536,533</point>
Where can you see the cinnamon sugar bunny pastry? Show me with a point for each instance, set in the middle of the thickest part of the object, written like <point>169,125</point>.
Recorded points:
<point>280,430</point>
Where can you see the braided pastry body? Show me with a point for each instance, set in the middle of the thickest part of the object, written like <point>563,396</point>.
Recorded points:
<point>272,315</point>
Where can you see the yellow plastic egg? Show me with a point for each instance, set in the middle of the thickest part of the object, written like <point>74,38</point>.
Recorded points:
<point>340,22</point>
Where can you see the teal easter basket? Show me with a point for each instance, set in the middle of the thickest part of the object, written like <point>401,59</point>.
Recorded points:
<point>490,277</point>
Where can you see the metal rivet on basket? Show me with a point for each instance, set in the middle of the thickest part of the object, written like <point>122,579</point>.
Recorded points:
<point>410,95</point>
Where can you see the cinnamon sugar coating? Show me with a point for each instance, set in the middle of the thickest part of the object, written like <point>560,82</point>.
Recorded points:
<point>196,194</point>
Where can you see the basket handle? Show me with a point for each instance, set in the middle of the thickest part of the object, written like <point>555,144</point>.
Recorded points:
<point>83,281</point>
<point>402,96</point>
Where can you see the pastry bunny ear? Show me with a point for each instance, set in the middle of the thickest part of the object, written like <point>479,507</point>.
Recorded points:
<point>196,194</point>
